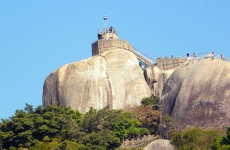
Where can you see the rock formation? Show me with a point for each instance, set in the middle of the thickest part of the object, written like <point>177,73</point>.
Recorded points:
<point>159,144</point>
<point>112,79</point>
<point>197,94</point>
<point>156,78</point>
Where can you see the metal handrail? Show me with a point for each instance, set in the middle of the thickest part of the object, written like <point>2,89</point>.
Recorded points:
<point>151,61</point>
<point>107,30</point>
<point>205,55</point>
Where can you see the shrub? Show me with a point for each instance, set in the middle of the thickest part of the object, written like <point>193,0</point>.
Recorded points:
<point>12,148</point>
<point>167,118</point>
<point>148,117</point>
<point>222,143</point>
<point>46,139</point>
<point>152,100</point>
<point>195,138</point>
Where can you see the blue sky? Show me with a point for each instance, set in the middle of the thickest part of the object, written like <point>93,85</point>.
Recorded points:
<point>38,37</point>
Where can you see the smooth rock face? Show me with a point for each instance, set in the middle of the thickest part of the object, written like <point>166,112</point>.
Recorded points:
<point>159,144</point>
<point>197,94</point>
<point>112,79</point>
<point>156,78</point>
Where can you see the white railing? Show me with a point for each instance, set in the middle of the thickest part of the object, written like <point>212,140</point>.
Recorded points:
<point>146,58</point>
<point>206,55</point>
<point>107,30</point>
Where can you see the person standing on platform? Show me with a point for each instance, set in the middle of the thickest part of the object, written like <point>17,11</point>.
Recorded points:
<point>194,55</point>
<point>212,55</point>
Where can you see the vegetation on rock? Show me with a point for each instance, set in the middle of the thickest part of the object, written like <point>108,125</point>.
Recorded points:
<point>58,127</point>
<point>223,142</point>
<point>148,113</point>
<point>61,128</point>
<point>195,139</point>
<point>152,100</point>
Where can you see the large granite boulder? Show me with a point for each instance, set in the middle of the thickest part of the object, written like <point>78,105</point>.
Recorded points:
<point>112,79</point>
<point>197,94</point>
<point>156,78</point>
<point>159,144</point>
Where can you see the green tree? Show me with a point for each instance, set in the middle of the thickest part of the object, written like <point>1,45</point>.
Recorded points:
<point>152,100</point>
<point>128,126</point>
<point>104,139</point>
<point>149,118</point>
<point>71,129</point>
<point>195,138</point>
<point>115,125</point>
<point>223,142</point>
<point>29,126</point>
<point>58,127</point>
<point>29,108</point>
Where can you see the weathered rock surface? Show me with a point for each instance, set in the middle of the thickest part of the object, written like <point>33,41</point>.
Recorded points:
<point>159,144</point>
<point>112,79</point>
<point>197,94</point>
<point>156,78</point>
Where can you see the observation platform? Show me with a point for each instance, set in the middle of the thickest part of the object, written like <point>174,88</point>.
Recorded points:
<point>108,39</point>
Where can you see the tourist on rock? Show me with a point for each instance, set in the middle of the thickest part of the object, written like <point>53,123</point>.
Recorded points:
<point>212,55</point>
<point>194,55</point>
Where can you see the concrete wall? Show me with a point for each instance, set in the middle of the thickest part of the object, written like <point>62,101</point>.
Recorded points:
<point>104,45</point>
<point>134,143</point>
<point>101,46</point>
<point>109,42</point>
<point>169,63</point>
<point>108,36</point>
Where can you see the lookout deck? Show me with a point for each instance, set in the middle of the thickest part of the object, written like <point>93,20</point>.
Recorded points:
<point>108,40</point>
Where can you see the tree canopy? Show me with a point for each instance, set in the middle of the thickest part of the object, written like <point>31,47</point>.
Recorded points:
<point>195,138</point>
<point>58,127</point>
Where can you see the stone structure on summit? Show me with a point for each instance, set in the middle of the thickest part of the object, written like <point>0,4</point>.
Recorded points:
<point>108,40</point>
<point>169,63</point>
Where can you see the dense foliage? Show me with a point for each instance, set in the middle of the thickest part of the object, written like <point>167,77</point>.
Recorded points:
<point>150,118</point>
<point>223,142</point>
<point>152,100</point>
<point>57,127</point>
<point>61,128</point>
<point>148,114</point>
<point>31,126</point>
<point>195,139</point>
